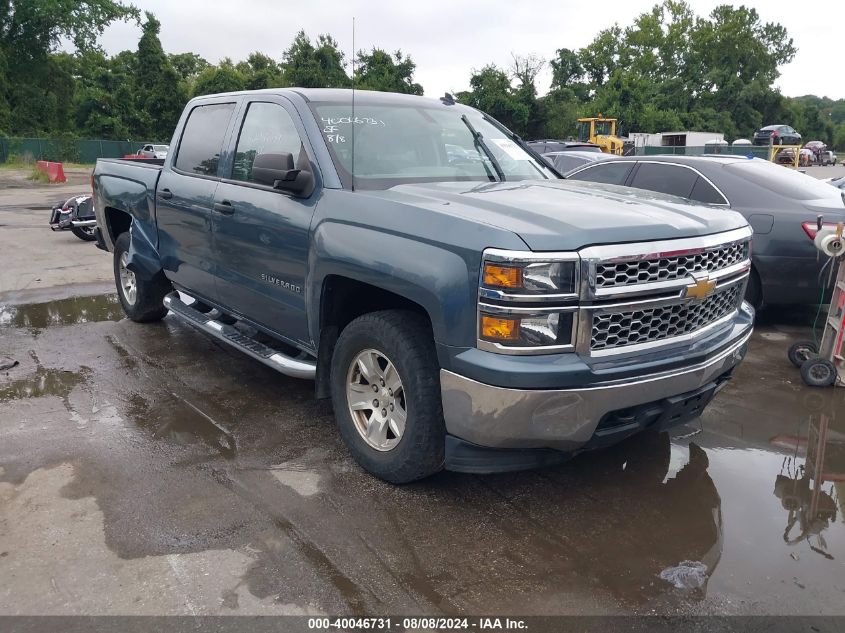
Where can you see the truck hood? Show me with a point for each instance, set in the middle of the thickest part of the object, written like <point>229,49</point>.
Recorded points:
<point>550,215</point>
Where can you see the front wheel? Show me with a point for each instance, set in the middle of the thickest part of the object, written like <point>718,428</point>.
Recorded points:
<point>142,299</point>
<point>386,395</point>
<point>85,233</point>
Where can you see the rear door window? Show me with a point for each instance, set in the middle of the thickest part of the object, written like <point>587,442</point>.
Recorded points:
<point>671,179</point>
<point>782,182</point>
<point>564,163</point>
<point>202,139</point>
<point>703,191</point>
<point>612,173</point>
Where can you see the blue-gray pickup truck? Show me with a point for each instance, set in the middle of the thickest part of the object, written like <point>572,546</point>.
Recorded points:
<point>463,306</point>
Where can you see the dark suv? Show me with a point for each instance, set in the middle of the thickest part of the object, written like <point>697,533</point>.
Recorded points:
<point>777,135</point>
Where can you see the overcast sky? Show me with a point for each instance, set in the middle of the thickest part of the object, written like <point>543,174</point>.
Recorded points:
<point>449,38</point>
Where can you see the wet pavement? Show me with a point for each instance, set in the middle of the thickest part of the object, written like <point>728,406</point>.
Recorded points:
<point>147,469</point>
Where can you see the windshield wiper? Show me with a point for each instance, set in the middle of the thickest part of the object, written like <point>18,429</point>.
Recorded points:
<point>478,140</point>
<point>516,138</point>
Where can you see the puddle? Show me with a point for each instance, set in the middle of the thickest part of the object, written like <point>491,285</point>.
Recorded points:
<point>69,311</point>
<point>44,382</point>
<point>174,419</point>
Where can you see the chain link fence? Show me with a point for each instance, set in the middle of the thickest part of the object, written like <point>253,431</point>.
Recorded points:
<point>64,150</point>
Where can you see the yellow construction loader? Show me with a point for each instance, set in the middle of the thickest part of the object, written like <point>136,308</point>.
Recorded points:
<point>601,132</point>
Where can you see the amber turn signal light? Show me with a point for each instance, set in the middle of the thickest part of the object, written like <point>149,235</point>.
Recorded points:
<point>502,276</point>
<point>495,329</point>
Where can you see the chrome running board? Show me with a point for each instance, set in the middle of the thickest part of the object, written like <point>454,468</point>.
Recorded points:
<point>287,365</point>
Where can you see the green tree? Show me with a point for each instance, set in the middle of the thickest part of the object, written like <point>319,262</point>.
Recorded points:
<point>260,71</point>
<point>307,66</point>
<point>160,93</point>
<point>379,70</point>
<point>188,65</point>
<point>222,78</point>
<point>36,86</point>
<point>491,91</point>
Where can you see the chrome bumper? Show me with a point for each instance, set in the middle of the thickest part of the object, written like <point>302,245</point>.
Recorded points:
<point>563,419</point>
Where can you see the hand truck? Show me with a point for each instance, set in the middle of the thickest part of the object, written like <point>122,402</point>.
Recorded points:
<point>824,365</point>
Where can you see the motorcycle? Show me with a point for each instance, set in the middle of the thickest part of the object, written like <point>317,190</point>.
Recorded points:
<point>77,215</point>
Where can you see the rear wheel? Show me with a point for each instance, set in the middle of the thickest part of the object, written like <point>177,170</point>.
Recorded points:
<point>142,299</point>
<point>386,395</point>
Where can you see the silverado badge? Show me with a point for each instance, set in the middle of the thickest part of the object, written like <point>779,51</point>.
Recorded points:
<point>281,283</point>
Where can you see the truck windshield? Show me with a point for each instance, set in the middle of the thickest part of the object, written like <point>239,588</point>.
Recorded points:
<point>603,128</point>
<point>406,144</point>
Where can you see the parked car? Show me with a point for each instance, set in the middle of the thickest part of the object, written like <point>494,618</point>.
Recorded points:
<point>550,145</point>
<point>829,157</point>
<point>787,157</point>
<point>76,214</point>
<point>566,161</point>
<point>154,151</point>
<point>839,182</point>
<point>449,311</point>
<point>777,135</point>
<point>780,204</point>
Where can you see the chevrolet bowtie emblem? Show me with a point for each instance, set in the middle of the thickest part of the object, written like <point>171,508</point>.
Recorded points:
<point>701,288</point>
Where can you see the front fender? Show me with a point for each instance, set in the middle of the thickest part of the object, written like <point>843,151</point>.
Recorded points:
<point>424,273</point>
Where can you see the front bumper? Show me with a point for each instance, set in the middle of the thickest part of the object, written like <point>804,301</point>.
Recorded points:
<point>567,419</point>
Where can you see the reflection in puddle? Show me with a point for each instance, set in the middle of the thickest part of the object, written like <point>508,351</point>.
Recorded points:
<point>62,312</point>
<point>44,382</point>
<point>810,489</point>
<point>677,521</point>
<point>177,420</point>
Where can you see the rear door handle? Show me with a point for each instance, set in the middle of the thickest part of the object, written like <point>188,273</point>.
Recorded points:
<point>165,194</point>
<point>224,207</point>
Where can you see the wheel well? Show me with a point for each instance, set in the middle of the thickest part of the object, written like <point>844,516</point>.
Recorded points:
<point>117,222</point>
<point>342,301</point>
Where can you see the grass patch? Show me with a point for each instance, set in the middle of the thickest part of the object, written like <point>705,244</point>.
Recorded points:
<point>36,175</point>
<point>20,165</point>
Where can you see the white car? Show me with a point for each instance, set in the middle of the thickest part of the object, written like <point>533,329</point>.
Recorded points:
<point>154,151</point>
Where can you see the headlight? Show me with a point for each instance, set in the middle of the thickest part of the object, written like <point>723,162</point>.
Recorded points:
<point>534,329</point>
<point>535,278</point>
<point>527,301</point>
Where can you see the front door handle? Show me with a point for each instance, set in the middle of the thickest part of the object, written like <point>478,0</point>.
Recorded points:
<point>224,207</point>
<point>165,194</point>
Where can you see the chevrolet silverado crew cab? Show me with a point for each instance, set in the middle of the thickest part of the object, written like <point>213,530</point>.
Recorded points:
<point>463,306</point>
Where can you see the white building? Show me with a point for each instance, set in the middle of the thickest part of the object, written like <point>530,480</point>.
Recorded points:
<point>676,139</point>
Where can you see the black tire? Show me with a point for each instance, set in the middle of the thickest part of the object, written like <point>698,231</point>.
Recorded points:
<point>802,351</point>
<point>818,372</point>
<point>149,293</point>
<point>404,338</point>
<point>83,234</point>
<point>754,291</point>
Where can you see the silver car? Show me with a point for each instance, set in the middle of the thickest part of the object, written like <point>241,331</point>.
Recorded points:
<point>154,151</point>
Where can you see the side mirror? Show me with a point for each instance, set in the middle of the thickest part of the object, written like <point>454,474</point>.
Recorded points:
<point>278,171</point>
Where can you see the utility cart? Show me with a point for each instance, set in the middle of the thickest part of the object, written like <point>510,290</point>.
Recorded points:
<point>823,365</point>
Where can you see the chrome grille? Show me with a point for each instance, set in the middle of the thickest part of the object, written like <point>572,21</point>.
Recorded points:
<point>610,274</point>
<point>616,330</point>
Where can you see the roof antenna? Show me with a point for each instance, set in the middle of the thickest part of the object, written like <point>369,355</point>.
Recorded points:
<point>353,103</point>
